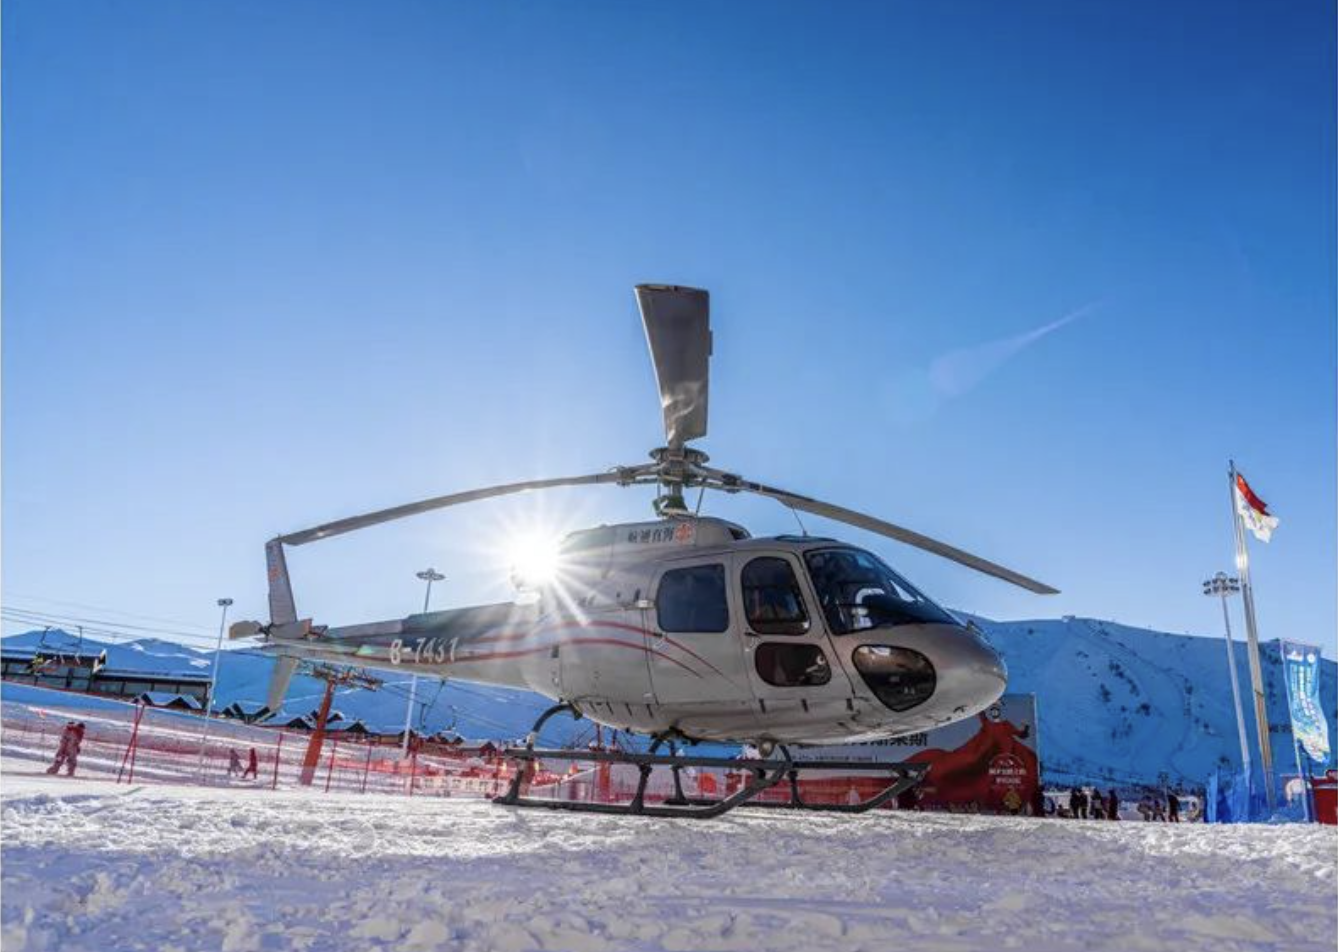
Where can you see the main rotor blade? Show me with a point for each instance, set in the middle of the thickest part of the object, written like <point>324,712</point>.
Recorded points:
<point>729,481</point>
<point>678,330</point>
<point>341,526</point>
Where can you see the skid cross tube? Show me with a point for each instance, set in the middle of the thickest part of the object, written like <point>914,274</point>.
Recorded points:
<point>764,775</point>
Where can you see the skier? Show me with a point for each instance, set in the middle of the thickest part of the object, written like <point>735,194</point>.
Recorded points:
<point>234,762</point>
<point>67,754</point>
<point>1098,805</point>
<point>1145,807</point>
<point>1173,806</point>
<point>61,748</point>
<point>252,765</point>
<point>1113,805</point>
<point>1075,801</point>
<point>1158,810</point>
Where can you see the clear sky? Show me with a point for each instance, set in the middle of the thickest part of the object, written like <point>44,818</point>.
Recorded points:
<point>1022,276</point>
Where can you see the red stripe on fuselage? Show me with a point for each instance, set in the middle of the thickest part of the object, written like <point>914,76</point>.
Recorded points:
<point>502,655</point>
<point>523,635</point>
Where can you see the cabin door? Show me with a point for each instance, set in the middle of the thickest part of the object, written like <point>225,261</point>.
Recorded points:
<point>796,677</point>
<point>692,640</point>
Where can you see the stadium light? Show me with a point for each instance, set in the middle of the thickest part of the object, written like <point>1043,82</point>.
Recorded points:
<point>1223,586</point>
<point>223,604</point>
<point>428,575</point>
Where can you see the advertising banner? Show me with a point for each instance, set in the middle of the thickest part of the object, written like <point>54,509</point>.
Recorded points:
<point>1309,727</point>
<point>985,764</point>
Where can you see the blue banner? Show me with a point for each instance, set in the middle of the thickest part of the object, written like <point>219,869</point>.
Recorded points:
<point>1309,727</point>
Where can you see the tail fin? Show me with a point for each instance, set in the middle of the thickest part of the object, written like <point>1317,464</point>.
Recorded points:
<point>282,608</point>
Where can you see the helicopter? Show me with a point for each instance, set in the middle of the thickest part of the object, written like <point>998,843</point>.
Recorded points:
<point>686,628</point>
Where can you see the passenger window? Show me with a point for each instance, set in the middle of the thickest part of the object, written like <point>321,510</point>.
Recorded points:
<point>771,598</point>
<point>693,599</point>
<point>791,665</point>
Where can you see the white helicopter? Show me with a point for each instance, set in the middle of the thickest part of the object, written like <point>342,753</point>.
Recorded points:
<point>686,628</point>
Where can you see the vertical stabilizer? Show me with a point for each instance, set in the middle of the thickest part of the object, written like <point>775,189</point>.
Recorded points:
<point>282,608</point>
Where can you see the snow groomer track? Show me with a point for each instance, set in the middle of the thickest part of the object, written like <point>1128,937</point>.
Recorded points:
<point>89,865</point>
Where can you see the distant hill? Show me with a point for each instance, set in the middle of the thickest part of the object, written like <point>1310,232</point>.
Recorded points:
<point>1115,702</point>
<point>1124,703</point>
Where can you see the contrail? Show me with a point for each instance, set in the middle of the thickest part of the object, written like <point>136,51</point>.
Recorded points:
<point>960,371</point>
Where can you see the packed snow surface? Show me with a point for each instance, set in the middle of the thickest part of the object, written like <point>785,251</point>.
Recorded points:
<point>90,865</point>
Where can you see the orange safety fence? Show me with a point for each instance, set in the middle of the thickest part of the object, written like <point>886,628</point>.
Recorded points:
<point>130,743</point>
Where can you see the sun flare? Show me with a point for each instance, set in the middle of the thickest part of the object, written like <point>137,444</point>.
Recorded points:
<point>533,557</point>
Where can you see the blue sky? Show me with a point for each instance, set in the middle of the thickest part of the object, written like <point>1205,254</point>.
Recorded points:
<point>1020,276</point>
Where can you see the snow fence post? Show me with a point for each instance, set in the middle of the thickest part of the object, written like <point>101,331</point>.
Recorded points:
<point>329,770</point>
<point>130,747</point>
<point>278,749</point>
<point>134,743</point>
<point>365,768</point>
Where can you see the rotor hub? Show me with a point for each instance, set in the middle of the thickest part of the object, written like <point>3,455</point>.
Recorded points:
<point>678,465</point>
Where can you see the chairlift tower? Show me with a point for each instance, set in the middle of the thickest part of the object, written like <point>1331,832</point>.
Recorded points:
<point>333,677</point>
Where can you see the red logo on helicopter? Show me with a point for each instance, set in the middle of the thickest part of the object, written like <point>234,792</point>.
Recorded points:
<point>683,533</point>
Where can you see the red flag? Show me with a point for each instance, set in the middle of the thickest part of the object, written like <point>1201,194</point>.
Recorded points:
<point>1254,511</point>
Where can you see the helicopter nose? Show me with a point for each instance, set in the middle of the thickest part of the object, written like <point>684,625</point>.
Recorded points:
<point>975,677</point>
<point>932,674</point>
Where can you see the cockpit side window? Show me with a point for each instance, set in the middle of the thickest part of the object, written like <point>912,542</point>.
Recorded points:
<point>857,591</point>
<point>772,599</point>
<point>693,599</point>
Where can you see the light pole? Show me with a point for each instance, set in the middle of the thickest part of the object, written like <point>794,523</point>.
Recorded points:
<point>428,575</point>
<point>1224,586</point>
<point>223,604</point>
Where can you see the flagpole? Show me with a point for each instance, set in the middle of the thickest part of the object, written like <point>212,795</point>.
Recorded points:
<point>1252,645</point>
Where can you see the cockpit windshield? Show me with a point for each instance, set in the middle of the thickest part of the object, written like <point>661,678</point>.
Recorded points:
<point>857,591</point>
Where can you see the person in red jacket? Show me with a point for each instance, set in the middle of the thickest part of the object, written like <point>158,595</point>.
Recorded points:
<point>67,754</point>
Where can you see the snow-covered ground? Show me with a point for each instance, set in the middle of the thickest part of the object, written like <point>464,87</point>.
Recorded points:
<point>90,865</point>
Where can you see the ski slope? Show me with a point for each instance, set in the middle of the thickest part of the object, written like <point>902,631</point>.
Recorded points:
<point>1132,704</point>
<point>91,866</point>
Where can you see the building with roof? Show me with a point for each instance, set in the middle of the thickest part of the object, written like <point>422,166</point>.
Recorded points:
<point>87,673</point>
<point>175,702</point>
<point>248,712</point>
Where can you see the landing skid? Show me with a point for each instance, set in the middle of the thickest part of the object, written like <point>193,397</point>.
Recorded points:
<point>764,775</point>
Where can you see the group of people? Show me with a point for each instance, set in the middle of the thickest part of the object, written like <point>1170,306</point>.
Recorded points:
<point>1096,806</point>
<point>1151,808</point>
<point>67,753</point>
<point>252,768</point>
<point>1083,805</point>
